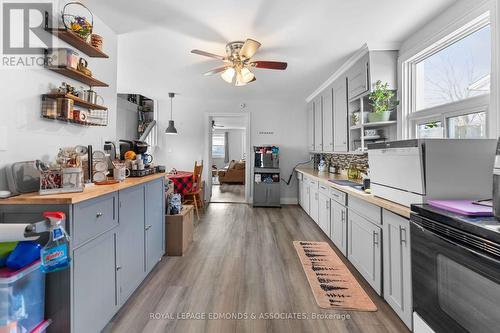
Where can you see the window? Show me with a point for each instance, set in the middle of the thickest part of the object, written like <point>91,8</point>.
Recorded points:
<point>218,145</point>
<point>447,85</point>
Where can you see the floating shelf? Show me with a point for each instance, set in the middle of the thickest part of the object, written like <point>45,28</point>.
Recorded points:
<point>76,75</point>
<point>72,121</point>
<point>77,42</point>
<point>377,124</point>
<point>78,101</point>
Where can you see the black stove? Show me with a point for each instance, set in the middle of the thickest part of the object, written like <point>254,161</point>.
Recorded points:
<point>485,227</point>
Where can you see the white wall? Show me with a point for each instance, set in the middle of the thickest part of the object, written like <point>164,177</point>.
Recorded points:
<point>31,137</point>
<point>155,73</point>
<point>236,149</point>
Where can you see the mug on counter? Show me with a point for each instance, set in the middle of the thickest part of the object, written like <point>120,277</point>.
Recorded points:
<point>120,172</point>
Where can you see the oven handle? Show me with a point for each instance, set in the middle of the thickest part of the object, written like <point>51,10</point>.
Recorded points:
<point>466,248</point>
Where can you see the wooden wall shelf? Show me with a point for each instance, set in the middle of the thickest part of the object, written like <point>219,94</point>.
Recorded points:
<point>77,42</point>
<point>76,75</point>
<point>78,101</point>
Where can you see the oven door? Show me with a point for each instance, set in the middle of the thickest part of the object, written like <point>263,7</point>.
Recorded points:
<point>456,278</point>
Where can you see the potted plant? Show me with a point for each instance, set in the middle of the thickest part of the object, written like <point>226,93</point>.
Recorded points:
<point>383,101</point>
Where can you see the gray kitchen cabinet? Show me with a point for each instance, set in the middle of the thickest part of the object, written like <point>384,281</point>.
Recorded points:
<point>318,124</point>
<point>338,225</point>
<point>340,123</point>
<point>310,126</point>
<point>131,241</point>
<point>327,120</point>
<point>154,193</point>
<point>397,265</point>
<point>365,249</point>
<point>94,287</point>
<point>314,200</point>
<point>324,213</point>
<point>358,77</point>
<point>306,200</point>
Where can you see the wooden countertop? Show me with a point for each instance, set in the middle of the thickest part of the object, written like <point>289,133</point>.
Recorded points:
<point>72,198</point>
<point>325,177</point>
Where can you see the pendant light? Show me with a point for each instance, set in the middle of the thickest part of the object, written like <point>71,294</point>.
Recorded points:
<point>171,130</point>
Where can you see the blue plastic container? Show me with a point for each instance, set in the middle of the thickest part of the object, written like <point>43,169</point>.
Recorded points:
<point>22,298</point>
<point>24,254</point>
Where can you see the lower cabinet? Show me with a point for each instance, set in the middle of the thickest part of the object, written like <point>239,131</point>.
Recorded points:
<point>324,213</point>
<point>154,193</point>
<point>94,291</point>
<point>338,226</point>
<point>314,201</point>
<point>397,265</point>
<point>131,269</point>
<point>306,196</point>
<point>364,249</point>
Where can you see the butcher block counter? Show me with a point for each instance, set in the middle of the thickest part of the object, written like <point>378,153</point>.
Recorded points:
<point>325,177</point>
<point>73,198</point>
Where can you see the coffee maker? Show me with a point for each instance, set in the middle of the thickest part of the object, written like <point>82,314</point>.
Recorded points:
<point>139,147</point>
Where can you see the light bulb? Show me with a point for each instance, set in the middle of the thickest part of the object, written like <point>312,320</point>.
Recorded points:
<point>246,75</point>
<point>239,79</point>
<point>228,75</point>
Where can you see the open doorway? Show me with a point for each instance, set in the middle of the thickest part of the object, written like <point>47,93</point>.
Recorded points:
<point>228,155</point>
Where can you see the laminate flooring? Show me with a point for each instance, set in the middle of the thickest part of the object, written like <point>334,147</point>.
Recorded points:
<point>243,263</point>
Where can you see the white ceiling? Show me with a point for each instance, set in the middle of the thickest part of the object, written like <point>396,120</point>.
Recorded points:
<point>314,37</point>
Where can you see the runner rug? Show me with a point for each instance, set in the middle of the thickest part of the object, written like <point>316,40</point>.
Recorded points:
<point>332,284</point>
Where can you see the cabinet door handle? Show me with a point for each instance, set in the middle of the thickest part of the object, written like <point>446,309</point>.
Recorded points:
<point>343,216</point>
<point>402,232</point>
<point>118,268</point>
<point>99,214</point>
<point>148,227</point>
<point>375,238</point>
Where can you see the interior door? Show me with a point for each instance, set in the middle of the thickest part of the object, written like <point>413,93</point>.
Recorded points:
<point>328,120</point>
<point>340,133</point>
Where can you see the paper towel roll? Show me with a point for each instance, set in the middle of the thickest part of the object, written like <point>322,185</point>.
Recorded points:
<point>14,233</point>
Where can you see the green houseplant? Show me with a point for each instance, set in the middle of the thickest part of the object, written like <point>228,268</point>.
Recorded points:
<point>383,101</point>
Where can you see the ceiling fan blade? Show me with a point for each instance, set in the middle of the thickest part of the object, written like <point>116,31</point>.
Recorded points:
<point>249,49</point>
<point>208,54</point>
<point>270,64</point>
<point>216,71</point>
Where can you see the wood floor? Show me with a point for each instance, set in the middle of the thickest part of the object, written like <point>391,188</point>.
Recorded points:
<point>243,261</point>
<point>228,193</point>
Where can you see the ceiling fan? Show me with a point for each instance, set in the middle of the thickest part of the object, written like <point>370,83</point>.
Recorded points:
<point>238,63</point>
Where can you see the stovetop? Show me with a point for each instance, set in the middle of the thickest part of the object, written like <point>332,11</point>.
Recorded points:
<point>486,227</point>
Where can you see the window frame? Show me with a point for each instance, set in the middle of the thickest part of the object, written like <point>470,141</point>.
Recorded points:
<point>223,136</point>
<point>411,118</point>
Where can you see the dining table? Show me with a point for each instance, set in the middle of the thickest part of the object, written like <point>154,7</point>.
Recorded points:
<point>183,181</point>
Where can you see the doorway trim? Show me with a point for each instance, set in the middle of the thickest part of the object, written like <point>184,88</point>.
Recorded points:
<point>208,149</point>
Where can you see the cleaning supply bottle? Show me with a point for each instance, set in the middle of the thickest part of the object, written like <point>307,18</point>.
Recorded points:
<point>55,254</point>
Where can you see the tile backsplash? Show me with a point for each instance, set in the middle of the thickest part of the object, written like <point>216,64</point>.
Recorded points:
<point>344,160</point>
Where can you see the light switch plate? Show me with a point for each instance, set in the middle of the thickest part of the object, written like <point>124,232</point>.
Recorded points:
<point>3,138</point>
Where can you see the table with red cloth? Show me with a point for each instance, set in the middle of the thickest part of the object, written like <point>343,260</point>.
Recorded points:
<point>183,182</point>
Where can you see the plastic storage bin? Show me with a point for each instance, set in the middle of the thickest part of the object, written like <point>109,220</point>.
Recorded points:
<point>22,299</point>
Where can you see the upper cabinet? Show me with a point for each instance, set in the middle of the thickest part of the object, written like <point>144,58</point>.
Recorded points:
<point>310,126</point>
<point>328,112</point>
<point>318,124</point>
<point>340,111</point>
<point>358,77</point>
<point>340,114</point>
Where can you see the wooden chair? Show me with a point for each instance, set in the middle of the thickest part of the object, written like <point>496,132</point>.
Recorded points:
<point>194,196</point>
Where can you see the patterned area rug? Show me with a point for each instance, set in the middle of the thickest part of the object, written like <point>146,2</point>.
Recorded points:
<point>333,285</point>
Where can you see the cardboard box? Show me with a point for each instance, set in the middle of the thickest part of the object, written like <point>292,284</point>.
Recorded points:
<point>179,231</point>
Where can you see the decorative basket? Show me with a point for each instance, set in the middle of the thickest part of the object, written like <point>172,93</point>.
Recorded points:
<point>77,23</point>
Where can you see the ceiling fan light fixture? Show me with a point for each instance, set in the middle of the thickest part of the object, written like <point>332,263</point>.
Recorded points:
<point>239,79</point>
<point>246,75</point>
<point>228,75</point>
